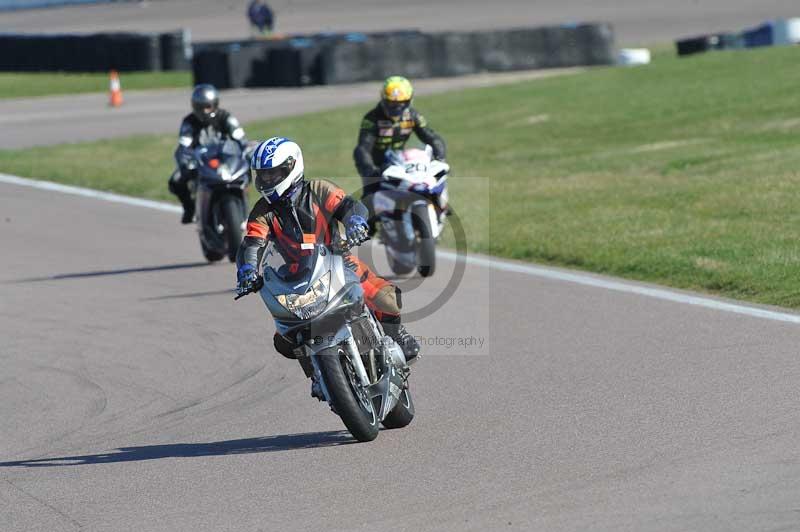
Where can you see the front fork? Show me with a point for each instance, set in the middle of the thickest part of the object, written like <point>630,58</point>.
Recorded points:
<point>352,353</point>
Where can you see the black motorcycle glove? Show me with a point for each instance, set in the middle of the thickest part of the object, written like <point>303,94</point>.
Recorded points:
<point>248,280</point>
<point>357,230</point>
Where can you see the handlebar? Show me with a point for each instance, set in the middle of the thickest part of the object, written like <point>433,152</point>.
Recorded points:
<point>342,245</point>
<point>256,286</point>
<point>339,246</point>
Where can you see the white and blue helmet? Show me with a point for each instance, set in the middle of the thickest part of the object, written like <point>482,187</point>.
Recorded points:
<point>276,165</point>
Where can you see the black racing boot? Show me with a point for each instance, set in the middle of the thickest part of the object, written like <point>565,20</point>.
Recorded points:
<point>407,343</point>
<point>188,212</point>
<point>308,369</point>
<point>288,349</point>
<point>177,185</point>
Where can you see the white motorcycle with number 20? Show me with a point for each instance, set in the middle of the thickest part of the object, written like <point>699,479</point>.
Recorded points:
<point>411,205</point>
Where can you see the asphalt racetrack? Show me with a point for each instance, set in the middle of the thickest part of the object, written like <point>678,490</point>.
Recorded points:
<point>136,395</point>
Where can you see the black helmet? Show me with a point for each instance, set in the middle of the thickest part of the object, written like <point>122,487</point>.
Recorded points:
<point>205,102</point>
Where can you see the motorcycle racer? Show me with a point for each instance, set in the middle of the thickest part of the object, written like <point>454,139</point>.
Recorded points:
<point>388,127</point>
<point>293,212</point>
<point>207,122</point>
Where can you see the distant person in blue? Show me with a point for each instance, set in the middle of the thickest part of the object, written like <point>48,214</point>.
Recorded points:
<point>261,16</point>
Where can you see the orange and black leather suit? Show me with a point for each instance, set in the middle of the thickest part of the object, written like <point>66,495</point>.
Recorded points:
<point>309,214</point>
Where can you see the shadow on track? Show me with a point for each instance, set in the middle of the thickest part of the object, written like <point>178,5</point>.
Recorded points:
<point>122,271</point>
<point>267,444</point>
<point>231,292</point>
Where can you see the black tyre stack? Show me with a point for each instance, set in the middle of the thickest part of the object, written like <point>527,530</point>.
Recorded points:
<point>705,43</point>
<point>314,59</point>
<point>98,52</point>
<point>331,59</point>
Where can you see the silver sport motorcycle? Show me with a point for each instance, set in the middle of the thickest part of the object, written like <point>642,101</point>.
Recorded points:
<point>361,372</point>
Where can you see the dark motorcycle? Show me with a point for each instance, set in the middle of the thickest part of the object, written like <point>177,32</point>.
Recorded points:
<point>220,193</point>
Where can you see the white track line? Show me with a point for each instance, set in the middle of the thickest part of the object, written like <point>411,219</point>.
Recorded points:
<point>89,193</point>
<point>620,286</point>
<point>477,260</point>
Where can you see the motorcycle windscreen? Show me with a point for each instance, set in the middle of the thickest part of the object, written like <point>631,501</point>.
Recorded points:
<point>299,282</point>
<point>289,266</point>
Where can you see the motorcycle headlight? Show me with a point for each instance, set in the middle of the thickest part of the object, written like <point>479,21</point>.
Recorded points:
<point>310,304</point>
<point>225,173</point>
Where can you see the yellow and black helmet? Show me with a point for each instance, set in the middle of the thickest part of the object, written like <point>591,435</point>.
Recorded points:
<point>396,95</point>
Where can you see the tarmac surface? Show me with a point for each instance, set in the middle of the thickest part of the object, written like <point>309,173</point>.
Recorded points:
<point>86,117</point>
<point>635,21</point>
<point>136,395</point>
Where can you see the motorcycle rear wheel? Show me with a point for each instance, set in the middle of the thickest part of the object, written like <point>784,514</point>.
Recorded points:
<point>356,410</point>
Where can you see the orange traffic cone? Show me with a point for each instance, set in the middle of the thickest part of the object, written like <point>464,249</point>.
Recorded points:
<point>115,89</point>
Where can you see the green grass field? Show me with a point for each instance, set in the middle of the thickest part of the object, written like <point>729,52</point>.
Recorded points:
<point>30,84</point>
<point>685,172</point>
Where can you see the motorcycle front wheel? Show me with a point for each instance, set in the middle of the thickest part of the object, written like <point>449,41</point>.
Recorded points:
<point>396,266</point>
<point>210,254</point>
<point>348,400</point>
<point>426,243</point>
<point>231,208</point>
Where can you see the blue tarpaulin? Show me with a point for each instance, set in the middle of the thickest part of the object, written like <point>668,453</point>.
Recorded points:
<point>10,5</point>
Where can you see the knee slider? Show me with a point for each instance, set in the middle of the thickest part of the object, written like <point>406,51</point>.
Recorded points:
<point>386,301</point>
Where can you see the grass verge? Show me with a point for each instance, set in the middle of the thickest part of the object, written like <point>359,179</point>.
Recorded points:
<point>683,173</point>
<point>30,84</point>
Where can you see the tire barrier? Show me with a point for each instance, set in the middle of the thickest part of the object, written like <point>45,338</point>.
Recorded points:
<point>350,62</point>
<point>312,60</point>
<point>408,54</point>
<point>375,57</point>
<point>98,52</point>
<point>696,45</point>
<point>705,43</point>
<point>454,54</point>
<point>271,63</point>
<point>294,65</point>
<point>248,63</point>
<point>502,51</point>
<point>228,65</point>
<point>210,65</point>
<point>419,55</point>
<point>774,33</point>
<point>596,44</point>
<point>176,50</point>
<point>330,59</point>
